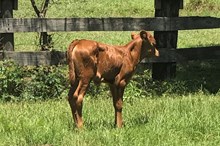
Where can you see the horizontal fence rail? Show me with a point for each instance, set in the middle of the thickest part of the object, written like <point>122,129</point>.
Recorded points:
<point>59,57</point>
<point>10,25</point>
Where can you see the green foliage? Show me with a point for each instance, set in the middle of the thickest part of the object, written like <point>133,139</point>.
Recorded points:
<point>45,82</point>
<point>19,83</point>
<point>11,82</point>
<point>33,83</point>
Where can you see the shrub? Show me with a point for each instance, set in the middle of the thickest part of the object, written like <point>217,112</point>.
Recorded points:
<point>45,82</point>
<point>18,83</point>
<point>49,82</point>
<point>11,80</point>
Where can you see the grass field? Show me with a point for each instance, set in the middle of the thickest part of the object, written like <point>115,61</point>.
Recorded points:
<point>170,113</point>
<point>183,120</point>
<point>115,8</point>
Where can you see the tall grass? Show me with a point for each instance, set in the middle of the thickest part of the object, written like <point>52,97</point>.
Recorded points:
<point>181,120</point>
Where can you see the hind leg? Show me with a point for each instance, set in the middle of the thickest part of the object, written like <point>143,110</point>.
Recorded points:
<point>76,95</point>
<point>86,70</point>
<point>72,99</point>
<point>79,102</point>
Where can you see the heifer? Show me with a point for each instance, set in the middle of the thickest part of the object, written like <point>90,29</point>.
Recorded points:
<point>90,60</point>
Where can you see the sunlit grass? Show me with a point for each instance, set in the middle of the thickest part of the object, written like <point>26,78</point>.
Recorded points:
<point>186,39</point>
<point>177,120</point>
<point>196,38</point>
<point>115,8</point>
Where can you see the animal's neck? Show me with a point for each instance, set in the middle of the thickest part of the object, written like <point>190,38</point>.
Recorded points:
<point>135,49</point>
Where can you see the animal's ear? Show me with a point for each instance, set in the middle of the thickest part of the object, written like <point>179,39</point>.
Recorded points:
<point>132,35</point>
<point>143,34</point>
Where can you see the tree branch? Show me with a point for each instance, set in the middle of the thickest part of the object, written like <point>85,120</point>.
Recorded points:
<point>45,7</point>
<point>35,8</point>
<point>45,39</point>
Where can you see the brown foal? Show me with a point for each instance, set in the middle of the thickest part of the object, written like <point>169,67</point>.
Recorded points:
<point>90,60</point>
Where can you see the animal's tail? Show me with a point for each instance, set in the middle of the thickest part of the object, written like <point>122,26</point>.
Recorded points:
<point>70,61</point>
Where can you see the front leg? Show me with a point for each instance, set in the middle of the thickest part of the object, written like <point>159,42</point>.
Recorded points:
<point>117,94</point>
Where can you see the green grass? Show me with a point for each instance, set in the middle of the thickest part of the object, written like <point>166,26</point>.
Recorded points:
<point>184,111</point>
<point>187,39</point>
<point>114,8</point>
<point>178,120</point>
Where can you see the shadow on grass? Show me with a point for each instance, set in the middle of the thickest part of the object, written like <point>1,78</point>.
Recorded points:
<point>191,77</point>
<point>142,119</point>
<point>205,74</point>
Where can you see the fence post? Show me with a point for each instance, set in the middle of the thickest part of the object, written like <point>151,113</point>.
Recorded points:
<point>166,39</point>
<point>6,11</point>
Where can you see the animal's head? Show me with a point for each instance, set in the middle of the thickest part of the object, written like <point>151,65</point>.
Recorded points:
<point>148,43</point>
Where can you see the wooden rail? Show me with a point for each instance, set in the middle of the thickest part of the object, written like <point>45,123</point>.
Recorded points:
<point>11,25</point>
<point>59,57</point>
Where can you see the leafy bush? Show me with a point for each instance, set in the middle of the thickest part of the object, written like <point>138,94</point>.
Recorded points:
<point>11,80</point>
<point>48,82</point>
<point>142,86</point>
<point>18,83</point>
<point>45,82</point>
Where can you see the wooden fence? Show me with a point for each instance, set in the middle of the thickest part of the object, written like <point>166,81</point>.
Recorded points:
<point>11,25</point>
<point>166,24</point>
